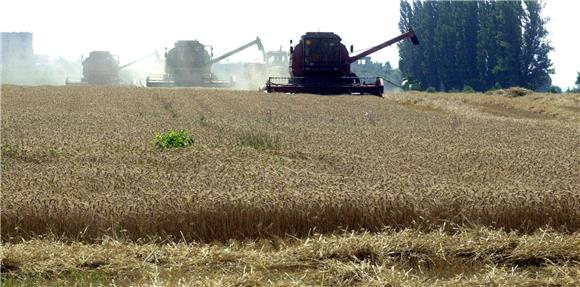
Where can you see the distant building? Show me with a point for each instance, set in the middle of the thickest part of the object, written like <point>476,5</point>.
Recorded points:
<point>17,57</point>
<point>16,47</point>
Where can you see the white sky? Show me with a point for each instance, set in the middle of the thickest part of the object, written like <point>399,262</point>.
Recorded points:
<point>131,29</point>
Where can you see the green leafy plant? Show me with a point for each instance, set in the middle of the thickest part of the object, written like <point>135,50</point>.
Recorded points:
<point>173,138</point>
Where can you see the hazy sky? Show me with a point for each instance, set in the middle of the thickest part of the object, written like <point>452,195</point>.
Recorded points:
<point>131,29</point>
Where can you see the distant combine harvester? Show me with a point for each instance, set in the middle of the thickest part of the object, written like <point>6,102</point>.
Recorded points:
<point>188,64</point>
<point>102,68</point>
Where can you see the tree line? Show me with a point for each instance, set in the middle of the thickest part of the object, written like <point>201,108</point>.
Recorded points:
<point>475,45</point>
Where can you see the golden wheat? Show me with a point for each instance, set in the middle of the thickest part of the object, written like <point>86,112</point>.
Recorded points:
<point>78,164</point>
<point>80,160</point>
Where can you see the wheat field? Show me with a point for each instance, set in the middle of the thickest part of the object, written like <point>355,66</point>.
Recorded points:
<point>346,190</point>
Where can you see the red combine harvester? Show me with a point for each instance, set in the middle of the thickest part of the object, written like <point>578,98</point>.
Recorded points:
<point>320,64</point>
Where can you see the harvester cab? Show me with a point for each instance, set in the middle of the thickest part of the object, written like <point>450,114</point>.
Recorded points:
<point>277,63</point>
<point>277,58</point>
<point>320,64</point>
<point>188,64</point>
<point>101,68</point>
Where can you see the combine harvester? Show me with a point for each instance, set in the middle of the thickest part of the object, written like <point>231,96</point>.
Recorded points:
<point>255,74</point>
<point>102,68</point>
<point>320,64</point>
<point>188,64</point>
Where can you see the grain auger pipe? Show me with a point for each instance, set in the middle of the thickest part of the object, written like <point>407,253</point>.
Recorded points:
<point>409,34</point>
<point>155,53</point>
<point>256,42</point>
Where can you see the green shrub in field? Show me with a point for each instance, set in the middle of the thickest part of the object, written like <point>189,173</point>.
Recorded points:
<point>555,90</point>
<point>468,89</point>
<point>258,140</point>
<point>172,139</point>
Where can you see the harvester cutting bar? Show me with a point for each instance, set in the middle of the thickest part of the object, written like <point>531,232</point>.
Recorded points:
<point>160,81</point>
<point>165,81</point>
<point>76,82</point>
<point>326,86</point>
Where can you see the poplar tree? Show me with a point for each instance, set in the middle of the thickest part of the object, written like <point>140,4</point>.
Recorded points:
<point>485,44</point>
<point>536,65</point>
